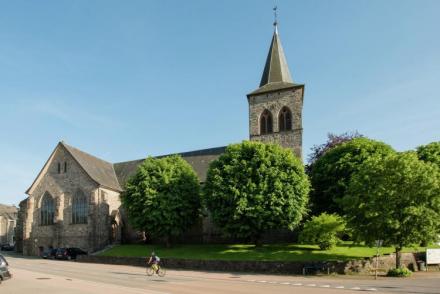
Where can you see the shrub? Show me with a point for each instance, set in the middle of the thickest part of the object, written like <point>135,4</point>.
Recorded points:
<point>399,272</point>
<point>323,230</point>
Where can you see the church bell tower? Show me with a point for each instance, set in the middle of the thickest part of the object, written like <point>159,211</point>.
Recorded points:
<point>275,108</point>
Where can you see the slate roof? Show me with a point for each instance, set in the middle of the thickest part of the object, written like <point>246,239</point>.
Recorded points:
<point>276,74</point>
<point>8,211</point>
<point>100,171</point>
<point>275,86</point>
<point>198,159</point>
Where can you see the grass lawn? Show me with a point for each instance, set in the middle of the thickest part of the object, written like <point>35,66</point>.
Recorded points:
<point>279,252</point>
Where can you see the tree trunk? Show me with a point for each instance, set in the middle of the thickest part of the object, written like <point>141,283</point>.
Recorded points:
<point>257,241</point>
<point>167,242</point>
<point>398,257</point>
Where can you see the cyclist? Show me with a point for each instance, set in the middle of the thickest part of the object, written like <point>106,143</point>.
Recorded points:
<point>154,261</point>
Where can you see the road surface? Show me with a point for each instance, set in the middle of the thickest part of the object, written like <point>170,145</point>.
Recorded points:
<point>35,276</point>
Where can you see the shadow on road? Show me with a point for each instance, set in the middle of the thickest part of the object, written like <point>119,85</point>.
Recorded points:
<point>128,274</point>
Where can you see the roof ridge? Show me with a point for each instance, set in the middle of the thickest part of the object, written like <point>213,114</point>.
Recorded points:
<point>77,149</point>
<point>169,154</point>
<point>95,172</point>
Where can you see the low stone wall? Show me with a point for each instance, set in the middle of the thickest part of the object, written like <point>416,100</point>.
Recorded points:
<point>274,267</point>
<point>384,263</point>
<point>362,266</point>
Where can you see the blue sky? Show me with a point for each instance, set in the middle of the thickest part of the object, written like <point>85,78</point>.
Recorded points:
<point>126,79</point>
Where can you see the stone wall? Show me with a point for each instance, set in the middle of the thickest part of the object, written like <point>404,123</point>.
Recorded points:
<point>107,221</point>
<point>19,230</point>
<point>62,186</point>
<point>274,102</point>
<point>384,263</point>
<point>363,266</point>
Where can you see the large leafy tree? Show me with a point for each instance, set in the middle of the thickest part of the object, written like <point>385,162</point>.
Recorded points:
<point>430,153</point>
<point>255,187</point>
<point>163,197</point>
<point>330,174</point>
<point>395,199</point>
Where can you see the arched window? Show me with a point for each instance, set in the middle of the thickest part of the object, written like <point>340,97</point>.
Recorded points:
<point>285,119</point>
<point>265,122</point>
<point>47,211</point>
<point>79,208</point>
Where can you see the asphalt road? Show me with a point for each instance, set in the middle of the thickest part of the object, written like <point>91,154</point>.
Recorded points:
<point>35,276</point>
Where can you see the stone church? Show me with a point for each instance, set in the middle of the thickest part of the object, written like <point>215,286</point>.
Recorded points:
<point>75,199</point>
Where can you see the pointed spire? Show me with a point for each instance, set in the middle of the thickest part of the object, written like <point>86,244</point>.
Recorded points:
<point>276,75</point>
<point>276,69</point>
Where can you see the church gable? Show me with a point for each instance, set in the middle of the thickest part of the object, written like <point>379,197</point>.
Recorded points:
<point>60,174</point>
<point>68,164</point>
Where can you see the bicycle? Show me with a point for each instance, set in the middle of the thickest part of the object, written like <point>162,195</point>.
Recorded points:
<point>155,268</point>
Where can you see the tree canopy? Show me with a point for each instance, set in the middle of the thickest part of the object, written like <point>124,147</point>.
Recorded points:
<point>163,197</point>
<point>255,187</point>
<point>333,140</point>
<point>395,199</point>
<point>430,153</point>
<point>330,174</point>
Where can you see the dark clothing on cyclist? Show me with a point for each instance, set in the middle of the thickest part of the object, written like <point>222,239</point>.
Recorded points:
<point>153,259</point>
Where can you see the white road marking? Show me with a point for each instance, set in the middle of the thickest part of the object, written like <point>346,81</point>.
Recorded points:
<point>310,285</point>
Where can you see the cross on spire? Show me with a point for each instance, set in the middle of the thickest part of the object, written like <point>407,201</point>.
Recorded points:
<point>275,15</point>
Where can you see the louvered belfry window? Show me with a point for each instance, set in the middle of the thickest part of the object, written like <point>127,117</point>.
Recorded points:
<point>285,119</point>
<point>47,211</point>
<point>79,208</point>
<point>265,122</point>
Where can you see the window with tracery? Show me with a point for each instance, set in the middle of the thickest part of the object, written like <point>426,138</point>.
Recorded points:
<point>285,119</point>
<point>79,208</point>
<point>47,211</point>
<point>266,122</point>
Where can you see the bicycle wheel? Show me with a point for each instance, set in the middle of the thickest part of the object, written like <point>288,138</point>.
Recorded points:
<point>150,271</point>
<point>161,272</point>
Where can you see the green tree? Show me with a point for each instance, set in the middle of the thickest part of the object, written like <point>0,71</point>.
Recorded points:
<point>333,140</point>
<point>330,174</point>
<point>395,199</point>
<point>163,197</point>
<point>430,153</point>
<point>254,187</point>
<point>323,230</point>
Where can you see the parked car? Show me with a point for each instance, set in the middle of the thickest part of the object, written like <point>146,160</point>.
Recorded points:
<point>4,271</point>
<point>7,247</point>
<point>49,253</point>
<point>69,253</point>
